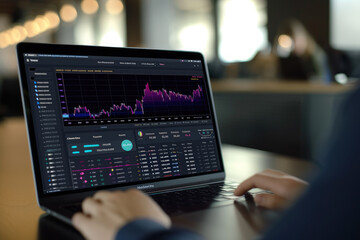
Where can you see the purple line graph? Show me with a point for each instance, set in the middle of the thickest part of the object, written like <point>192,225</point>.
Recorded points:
<point>151,101</point>
<point>100,98</point>
<point>80,112</point>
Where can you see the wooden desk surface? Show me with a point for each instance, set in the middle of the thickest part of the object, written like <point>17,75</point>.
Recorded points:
<point>276,86</point>
<point>19,213</point>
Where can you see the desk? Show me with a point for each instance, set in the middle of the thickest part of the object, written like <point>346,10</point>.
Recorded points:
<point>19,213</point>
<point>276,86</point>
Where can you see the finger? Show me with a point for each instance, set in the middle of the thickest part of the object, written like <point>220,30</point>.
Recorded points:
<point>138,195</point>
<point>269,172</point>
<point>270,201</point>
<point>90,206</point>
<point>102,196</point>
<point>81,222</point>
<point>259,180</point>
<point>133,192</point>
<point>274,172</point>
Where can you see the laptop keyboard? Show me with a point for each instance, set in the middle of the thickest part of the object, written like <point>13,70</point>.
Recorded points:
<point>189,199</point>
<point>196,198</point>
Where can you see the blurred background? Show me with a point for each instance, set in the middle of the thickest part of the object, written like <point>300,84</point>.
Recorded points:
<point>279,68</point>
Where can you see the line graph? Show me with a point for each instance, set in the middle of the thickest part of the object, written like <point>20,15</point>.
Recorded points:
<point>115,96</point>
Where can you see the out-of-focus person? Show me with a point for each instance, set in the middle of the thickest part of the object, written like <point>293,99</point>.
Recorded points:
<point>294,55</point>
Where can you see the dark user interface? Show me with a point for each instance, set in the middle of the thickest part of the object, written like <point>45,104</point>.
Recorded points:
<point>109,120</point>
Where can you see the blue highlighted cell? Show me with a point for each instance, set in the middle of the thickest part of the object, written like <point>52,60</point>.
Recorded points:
<point>91,145</point>
<point>127,145</point>
<point>74,147</point>
<point>87,151</point>
<point>75,152</point>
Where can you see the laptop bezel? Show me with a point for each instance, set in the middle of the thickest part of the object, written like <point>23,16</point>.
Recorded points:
<point>39,48</point>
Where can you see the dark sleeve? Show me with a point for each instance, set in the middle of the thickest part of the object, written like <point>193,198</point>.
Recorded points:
<point>146,229</point>
<point>330,208</point>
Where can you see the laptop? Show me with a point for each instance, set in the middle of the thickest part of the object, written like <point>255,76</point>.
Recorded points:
<point>101,118</point>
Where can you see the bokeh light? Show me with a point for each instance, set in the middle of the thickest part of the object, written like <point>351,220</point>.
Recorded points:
<point>114,7</point>
<point>53,19</point>
<point>42,22</point>
<point>18,34</point>
<point>5,39</point>
<point>285,41</point>
<point>89,6</point>
<point>32,28</point>
<point>68,13</point>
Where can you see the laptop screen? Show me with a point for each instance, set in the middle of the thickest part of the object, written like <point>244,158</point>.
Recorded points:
<point>103,120</point>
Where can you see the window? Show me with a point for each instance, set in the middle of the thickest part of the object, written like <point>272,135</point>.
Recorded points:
<point>179,24</point>
<point>344,19</point>
<point>242,29</point>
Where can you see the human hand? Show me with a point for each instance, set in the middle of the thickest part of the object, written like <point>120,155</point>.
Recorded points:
<point>286,188</point>
<point>106,212</point>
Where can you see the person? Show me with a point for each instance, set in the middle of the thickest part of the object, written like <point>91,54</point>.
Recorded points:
<point>326,208</point>
<point>295,55</point>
